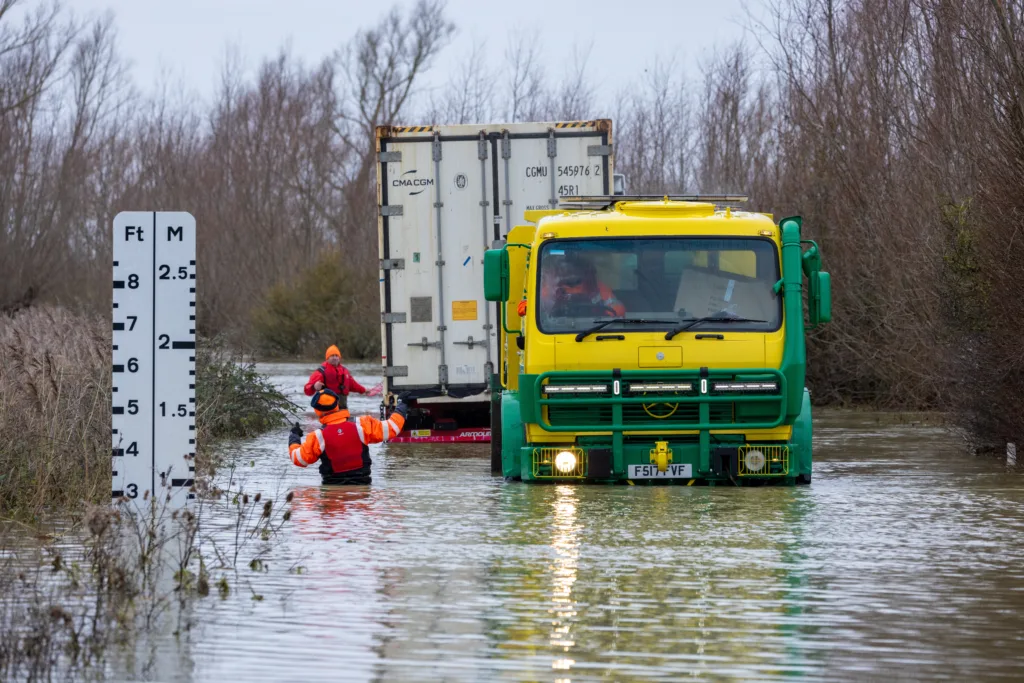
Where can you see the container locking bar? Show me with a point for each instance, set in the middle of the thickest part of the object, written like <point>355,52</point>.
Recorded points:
<point>552,153</point>
<point>442,369</point>
<point>424,344</point>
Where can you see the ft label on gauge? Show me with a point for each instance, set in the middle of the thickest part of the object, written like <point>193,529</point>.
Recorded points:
<point>154,357</point>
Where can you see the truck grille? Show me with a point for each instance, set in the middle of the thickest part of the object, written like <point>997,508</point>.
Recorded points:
<point>660,413</point>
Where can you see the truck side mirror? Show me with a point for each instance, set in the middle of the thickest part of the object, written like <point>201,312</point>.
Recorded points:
<point>820,305</point>
<point>618,184</point>
<point>496,275</point>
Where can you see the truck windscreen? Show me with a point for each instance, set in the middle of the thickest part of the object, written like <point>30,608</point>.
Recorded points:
<point>658,279</point>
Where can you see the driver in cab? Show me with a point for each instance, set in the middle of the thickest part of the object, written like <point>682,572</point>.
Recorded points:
<point>572,288</point>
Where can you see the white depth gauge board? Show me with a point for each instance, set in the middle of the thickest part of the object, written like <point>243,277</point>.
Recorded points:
<point>154,354</point>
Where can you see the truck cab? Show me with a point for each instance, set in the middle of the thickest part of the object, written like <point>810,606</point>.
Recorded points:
<point>649,340</point>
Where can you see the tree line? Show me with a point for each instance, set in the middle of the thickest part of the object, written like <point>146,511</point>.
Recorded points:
<point>895,127</point>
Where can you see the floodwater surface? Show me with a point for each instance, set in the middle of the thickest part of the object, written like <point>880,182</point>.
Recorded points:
<point>903,560</point>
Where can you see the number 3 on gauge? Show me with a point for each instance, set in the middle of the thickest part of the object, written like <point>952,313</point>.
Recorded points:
<point>182,410</point>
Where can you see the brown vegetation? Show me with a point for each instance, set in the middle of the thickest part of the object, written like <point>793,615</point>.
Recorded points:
<point>895,128</point>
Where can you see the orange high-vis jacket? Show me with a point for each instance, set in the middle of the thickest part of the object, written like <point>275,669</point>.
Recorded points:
<point>369,430</point>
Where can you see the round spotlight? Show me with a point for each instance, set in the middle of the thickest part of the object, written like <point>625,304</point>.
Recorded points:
<point>565,462</point>
<point>754,460</point>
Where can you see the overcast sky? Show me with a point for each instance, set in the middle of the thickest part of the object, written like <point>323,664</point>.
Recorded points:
<point>185,41</point>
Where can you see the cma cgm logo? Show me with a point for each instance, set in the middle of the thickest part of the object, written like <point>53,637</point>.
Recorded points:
<point>409,179</point>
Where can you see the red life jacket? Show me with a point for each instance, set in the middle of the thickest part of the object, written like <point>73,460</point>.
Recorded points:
<point>334,378</point>
<point>343,451</point>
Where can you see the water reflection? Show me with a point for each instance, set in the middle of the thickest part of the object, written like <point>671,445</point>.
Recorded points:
<point>565,532</point>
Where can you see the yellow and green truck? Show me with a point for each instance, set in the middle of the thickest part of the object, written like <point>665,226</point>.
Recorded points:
<point>649,339</point>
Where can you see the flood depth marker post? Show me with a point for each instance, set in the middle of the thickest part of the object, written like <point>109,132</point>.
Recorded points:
<point>154,354</point>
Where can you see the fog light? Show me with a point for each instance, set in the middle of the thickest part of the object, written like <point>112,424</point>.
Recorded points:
<point>754,460</point>
<point>565,461</point>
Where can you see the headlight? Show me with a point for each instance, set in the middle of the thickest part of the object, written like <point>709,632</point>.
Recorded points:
<point>565,462</point>
<point>745,386</point>
<point>575,388</point>
<point>754,460</point>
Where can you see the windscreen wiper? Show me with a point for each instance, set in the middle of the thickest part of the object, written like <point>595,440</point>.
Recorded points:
<point>605,322</point>
<point>690,322</point>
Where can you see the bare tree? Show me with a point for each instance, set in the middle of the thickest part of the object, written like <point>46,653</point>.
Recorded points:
<point>468,97</point>
<point>526,88</point>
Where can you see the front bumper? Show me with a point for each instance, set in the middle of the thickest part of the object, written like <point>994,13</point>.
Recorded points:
<point>738,463</point>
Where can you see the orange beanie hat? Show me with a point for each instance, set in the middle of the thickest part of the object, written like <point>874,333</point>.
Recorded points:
<point>332,350</point>
<point>325,402</point>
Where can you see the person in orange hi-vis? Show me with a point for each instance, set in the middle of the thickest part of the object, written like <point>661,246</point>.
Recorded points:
<point>340,444</point>
<point>334,376</point>
<point>572,288</point>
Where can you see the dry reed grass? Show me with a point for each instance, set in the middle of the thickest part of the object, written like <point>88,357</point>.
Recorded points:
<point>54,409</point>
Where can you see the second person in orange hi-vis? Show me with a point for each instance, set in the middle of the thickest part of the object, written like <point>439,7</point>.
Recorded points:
<point>340,444</point>
<point>334,376</point>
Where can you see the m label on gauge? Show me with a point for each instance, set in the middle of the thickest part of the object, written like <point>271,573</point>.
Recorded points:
<point>682,471</point>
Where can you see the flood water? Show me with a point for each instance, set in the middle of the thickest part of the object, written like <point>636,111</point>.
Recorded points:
<point>903,560</point>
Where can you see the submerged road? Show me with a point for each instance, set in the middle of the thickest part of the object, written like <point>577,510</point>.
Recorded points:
<point>904,559</point>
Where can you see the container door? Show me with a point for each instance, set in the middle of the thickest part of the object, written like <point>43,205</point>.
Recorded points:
<point>437,223</point>
<point>466,226</point>
<point>535,170</point>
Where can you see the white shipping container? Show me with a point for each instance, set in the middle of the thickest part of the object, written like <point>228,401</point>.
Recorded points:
<point>445,194</point>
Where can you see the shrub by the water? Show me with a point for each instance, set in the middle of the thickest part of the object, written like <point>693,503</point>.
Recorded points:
<point>234,399</point>
<point>324,305</point>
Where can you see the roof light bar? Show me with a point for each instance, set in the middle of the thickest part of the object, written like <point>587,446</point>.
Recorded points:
<point>611,198</point>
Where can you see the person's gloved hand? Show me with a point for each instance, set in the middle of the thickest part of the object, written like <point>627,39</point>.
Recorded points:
<point>295,436</point>
<point>401,407</point>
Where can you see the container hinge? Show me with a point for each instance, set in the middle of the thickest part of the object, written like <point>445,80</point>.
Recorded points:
<point>484,202</point>
<point>391,210</point>
<point>424,344</point>
<point>488,326</point>
<point>599,150</point>
<point>470,342</point>
<point>396,371</point>
<point>392,318</point>
<point>437,147</point>
<point>392,263</point>
<point>442,328</point>
<point>439,263</point>
<point>389,157</point>
<point>438,205</point>
<point>506,146</point>
<point>552,143</point>
<point>481,147</point>
<point>442,374</point>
